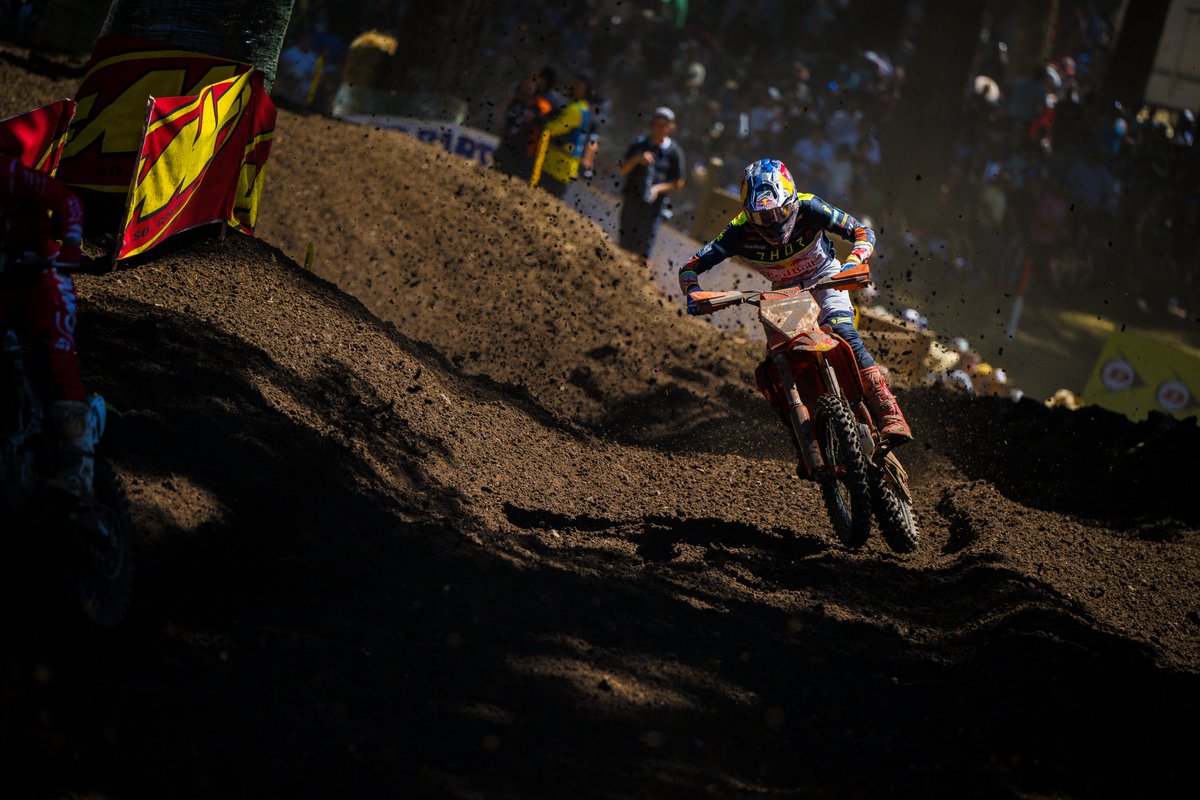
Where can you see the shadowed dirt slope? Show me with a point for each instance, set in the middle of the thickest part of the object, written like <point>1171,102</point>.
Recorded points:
<point>506,525</point>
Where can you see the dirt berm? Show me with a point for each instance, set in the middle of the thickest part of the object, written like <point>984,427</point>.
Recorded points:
<point>509,526</point>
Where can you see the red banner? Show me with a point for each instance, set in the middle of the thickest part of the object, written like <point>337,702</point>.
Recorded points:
<point>244,214</point>
<point>37,136</point>
<point>122,74</point>
<point>201,161</point>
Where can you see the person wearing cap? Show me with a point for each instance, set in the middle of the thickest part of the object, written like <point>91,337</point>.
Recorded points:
<point>653,168</point>
<point>564,139</point>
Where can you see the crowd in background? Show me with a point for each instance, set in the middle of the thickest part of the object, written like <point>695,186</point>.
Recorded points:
<point>1097,199</point>
<point>1093,199</point>
<point>1038,171</point>
<point>1090,199</point>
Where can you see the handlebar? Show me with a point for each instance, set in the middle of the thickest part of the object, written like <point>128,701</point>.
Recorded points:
<point>19,266</point>
<point>847,280</point>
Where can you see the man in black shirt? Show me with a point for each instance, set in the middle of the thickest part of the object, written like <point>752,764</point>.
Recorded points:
<point>653,167</point>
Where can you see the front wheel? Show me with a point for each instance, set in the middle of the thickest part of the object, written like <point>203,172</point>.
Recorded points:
<point>893,505</point>
<point>104,577</point>
<point>845,486</point>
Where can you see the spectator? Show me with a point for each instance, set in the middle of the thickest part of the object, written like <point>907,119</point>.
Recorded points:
<point>1048,228</point>
<point>1090,182</point>
<point>810,152</point>
<point>839,173</point>
<point>1072,266</point>
<point>994,63</point>
<point>1026,95</point>
<point>844,125</point>
<point>653,167</point>
<point>524,117</point>
<point>565,137</point>
<point>993,200</point>
<point>297,71</point>
<point>868,150</point>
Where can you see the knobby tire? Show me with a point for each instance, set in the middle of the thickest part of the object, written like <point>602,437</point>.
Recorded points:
<point>893,510</point>
<point>104,582</point>
<point>848,497</point>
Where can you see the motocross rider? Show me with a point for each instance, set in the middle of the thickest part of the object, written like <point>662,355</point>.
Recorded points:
<point>42,221</point>
<point>782,234</point>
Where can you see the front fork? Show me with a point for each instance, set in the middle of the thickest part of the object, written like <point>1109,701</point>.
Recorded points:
<point>802,424</point>
<point>27,417</point>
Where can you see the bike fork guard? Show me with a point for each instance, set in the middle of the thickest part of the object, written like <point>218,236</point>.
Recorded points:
<point>774,380</point>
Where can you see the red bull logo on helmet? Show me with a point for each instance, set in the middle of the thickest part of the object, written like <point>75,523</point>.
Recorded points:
<point>765,201</point>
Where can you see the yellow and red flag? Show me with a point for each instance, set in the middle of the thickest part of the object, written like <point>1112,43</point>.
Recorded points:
<point>36,137</point>
<point>201,161</point>
<point>244,214</point>
<point>122,73</point>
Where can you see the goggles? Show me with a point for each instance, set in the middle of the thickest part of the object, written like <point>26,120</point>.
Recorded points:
<point>770,217</point>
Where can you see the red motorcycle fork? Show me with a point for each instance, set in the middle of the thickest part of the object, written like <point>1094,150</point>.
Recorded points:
<point>798,415</point>
<point>791,374</point>
<point>811,371</point>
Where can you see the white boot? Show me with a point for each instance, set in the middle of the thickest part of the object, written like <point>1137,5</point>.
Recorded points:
<point>74,431</point>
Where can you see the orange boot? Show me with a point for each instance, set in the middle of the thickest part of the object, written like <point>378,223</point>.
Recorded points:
<point>884,407</point>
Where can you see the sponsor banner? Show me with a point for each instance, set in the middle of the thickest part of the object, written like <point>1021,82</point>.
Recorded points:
<point>474,145</point>
<point>1136,375</point>
<point>103,145</point>
<point>191,167</point>
<point>253,174</point>
<point>37,136</point>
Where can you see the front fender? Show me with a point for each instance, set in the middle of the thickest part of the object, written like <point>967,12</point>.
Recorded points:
<point>815,342</point>
<point>822,345</point>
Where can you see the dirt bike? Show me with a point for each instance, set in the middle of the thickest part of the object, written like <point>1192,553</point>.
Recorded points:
<point>90,543</point>
<point>811,378</point>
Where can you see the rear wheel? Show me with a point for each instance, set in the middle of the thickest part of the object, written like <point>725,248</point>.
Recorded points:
<point>893,506</point>
<point>846,488</point>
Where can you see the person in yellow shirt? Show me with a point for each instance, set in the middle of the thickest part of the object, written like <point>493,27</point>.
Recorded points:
<point>564,138</point>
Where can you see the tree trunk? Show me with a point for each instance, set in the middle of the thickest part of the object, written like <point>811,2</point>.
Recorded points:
<point>251,31</point>
<point>1133,55</point>
<point>1033,27</point>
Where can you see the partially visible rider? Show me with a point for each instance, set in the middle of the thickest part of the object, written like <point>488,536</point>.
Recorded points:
<point>782,234</point>
<point>41,221</point>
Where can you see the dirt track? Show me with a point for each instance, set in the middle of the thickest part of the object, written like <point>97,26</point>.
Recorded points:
<point>508,525</point>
